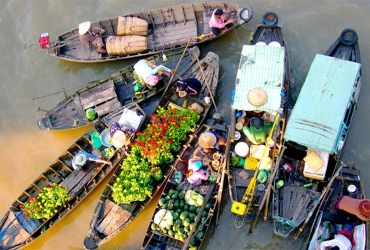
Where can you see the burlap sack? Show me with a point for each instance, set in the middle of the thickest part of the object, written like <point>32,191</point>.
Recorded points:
<point>128,26</point>
<point>126,45</point>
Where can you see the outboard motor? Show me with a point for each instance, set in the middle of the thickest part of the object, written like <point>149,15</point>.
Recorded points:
<point>44,41</point>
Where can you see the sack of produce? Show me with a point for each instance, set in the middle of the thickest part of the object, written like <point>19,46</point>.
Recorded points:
<point>163,218</point>
<point>126,45</point>
<point>193,198</point>
<point>128,26</point>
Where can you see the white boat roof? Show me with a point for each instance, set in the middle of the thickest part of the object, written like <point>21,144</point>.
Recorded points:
<point>263,67</point>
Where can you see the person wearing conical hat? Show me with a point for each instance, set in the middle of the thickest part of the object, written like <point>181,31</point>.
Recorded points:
<point>210,140</point>
<point>81,158</point>
<point>91,36</point>
<point>257,131</point>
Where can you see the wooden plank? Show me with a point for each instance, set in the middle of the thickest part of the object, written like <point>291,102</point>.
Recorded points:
<point>118,220</point>
<point>98,98</point>
<point>29,225</point>
<point>76,177</point>
<point>108,107</point>
<point>106,208</point>
<point>78,106</point>
<point>103,225</point>
<point>103,86</point>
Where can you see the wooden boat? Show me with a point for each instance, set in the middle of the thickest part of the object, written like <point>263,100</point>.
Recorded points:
<point>206,70</point>
<point>110,93</point>
<point>316,133</point>
<point>167,29</point>
<point>18,231</point>
<point>266,39</point>
<point>190,221</point>
<point>329,217</point>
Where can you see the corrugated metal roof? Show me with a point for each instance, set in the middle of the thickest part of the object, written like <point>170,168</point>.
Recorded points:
<point>260,66</point>
<point>317,116</point>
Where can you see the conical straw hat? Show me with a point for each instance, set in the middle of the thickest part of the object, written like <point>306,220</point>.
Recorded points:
<point>257,96</point>
<point>84,27</point>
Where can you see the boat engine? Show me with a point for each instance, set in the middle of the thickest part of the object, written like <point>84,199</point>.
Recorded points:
<point>44,41</point>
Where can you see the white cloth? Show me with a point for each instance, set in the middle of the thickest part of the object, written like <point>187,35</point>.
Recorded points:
<point>143,69</point>
<point>339,241</point>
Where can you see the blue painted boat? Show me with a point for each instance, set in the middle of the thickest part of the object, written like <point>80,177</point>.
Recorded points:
<point>316,132</point>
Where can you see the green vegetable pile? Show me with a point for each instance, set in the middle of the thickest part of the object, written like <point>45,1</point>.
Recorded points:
<point>183,216</point>
<point>109,152</point>
<point>134,182</point>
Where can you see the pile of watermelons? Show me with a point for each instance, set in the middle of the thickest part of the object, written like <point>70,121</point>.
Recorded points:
<point>183,216</point>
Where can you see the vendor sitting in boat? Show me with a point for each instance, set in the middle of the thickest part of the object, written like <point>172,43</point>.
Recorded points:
<point>91,36</point>
<point>195,173</point>
<point>190,86</point>
<point>146,71</point>
<point>81,158</point>
<point>210,140</point>
<point>258,131</point>
<point>360,208</point>
<point>219,22</point>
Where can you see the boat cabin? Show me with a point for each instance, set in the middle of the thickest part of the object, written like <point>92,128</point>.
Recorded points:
<point>324,109</point>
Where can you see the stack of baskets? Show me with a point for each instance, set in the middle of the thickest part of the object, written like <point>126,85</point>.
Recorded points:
<point>131,37</point>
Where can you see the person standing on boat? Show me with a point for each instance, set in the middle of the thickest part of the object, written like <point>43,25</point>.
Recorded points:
<point>146,71</point>
<point>190,86</point>
<point>257,131</point>
<point>219,22</point>
<point>81,158</point>
<point>91,36</point>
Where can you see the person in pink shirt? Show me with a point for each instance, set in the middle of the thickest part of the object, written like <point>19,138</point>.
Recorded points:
<point>195,173</point>
<point>219,22</point>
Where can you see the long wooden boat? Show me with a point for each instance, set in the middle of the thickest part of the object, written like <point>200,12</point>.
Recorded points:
<point>190,221</point>
<point>168,28</point>
<point>316,133</point>
<point>269,70</point>
<point>102,228</point>
<point>108,94</point>
<point>17,230</point>
<point>330,217</point>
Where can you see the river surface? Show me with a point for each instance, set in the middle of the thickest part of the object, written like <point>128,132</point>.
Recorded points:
<point>309,26</point>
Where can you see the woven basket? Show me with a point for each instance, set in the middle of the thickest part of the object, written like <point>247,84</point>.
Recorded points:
<point>128,26</point>
<point>126,45</point>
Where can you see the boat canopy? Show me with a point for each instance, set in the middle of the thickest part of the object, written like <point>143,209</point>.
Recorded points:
<point>260,66</point>
<point>317,119</point>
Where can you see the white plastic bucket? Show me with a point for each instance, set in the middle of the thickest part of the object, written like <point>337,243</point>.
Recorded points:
<point>242,149</point>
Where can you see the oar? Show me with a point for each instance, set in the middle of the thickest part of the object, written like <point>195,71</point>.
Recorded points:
<point>269,187</point>
<point>201,37</point>
<point>62,91</point>
<point>174,72</point>
<point>205,80</point>
<point>318,201</point>
<point>220,190</point>
<point>249,193</point>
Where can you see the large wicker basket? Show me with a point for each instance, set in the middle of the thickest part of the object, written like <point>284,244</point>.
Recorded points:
<point>128,26</point>
<point>126,45</point>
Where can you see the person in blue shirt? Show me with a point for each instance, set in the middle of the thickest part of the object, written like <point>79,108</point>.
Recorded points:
<point>81,158</point>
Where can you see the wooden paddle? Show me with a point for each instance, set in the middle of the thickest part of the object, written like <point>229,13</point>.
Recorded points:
<point>205,80</point>
<point>174,71</point>
<point>316,203</point>
<point>225,163</point>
